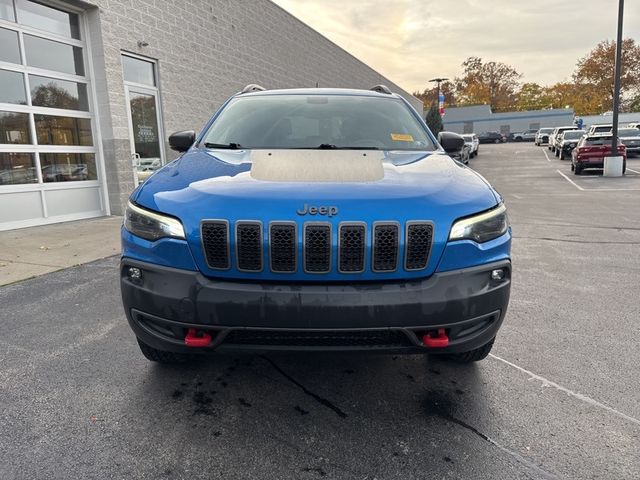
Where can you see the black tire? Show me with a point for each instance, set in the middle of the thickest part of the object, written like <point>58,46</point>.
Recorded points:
<point>572,167</point>
<point>476,355</point>
<point>160,356</point>
<point>561,154</point>
<point>577,170</point>
<point>477,151</point>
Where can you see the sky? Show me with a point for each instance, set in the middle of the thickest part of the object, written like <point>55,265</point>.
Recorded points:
<point>412,41</point>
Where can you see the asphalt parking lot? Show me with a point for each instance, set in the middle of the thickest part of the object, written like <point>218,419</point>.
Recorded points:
<point>558,398</point>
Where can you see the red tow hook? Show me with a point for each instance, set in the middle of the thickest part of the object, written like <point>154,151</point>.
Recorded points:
<point>439,341</point>
<point>193,340</point>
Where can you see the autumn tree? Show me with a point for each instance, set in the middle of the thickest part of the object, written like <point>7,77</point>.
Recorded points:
<point>492,83</point>
<point>597,70</point>
<point>430,95</point>
<point>532,96</point>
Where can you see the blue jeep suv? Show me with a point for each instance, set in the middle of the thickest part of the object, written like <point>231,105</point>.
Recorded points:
<point>315,219</point>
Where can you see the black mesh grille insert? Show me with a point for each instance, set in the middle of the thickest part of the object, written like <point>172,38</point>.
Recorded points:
<point>317,248</point>
<point>418,245</point>
<point>249,246</point>
<point>377,338</point>
<point>352,240</point>
<point>385,248</point>
<point>215,243</point>
<point>282,247</point>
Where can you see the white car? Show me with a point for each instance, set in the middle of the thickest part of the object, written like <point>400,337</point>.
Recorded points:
<point>630,137</point>
<point>542,136</point>
<point>471,139</point>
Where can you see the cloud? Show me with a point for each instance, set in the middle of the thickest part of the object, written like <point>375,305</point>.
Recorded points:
<point>411,41</point>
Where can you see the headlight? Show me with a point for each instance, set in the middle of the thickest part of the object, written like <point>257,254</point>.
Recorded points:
<point>572,144</point>
<point>483,227</point>
<point>150,225</point>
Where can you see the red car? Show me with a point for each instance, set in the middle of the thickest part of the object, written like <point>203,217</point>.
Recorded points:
<point>591,151</point>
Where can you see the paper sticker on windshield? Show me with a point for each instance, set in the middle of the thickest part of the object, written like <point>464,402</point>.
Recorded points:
<point>401,137</point>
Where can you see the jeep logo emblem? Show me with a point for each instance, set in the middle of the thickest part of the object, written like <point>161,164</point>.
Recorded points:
<point>311,210</point>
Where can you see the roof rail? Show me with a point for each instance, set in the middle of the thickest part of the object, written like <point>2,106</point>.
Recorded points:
<point>381,89</point>
<point>252,87</point>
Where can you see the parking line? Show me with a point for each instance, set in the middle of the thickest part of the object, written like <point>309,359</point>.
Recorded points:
<point>569,180</point>
<point>545,154</point>
<point>632,170</point>
<point>579,396</point>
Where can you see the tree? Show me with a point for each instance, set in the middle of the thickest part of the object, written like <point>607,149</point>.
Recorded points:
<point>430,95</point>
<point>434,120</point>
<point>492,83</point>
<point>532,97</point>
<point>597,69</point>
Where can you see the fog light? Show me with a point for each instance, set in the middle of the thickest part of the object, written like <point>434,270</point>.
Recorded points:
<point>135,273</point>
<point>497,274</point>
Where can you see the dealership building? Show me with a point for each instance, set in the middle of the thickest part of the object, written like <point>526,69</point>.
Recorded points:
<point>89,91</point>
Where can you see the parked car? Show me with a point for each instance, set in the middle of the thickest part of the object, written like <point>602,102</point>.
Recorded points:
<point>526,136</point>
<point>567,141</point>
<point>591,151</point>
<point>472,140</point>
<point>272,231</point>
<point>634,125</point>
<point>491,137</point>
<point>554,135</point>
<point>463,154</point>
<point>542,135</point>
<point>602,128</point>
<point>630,138</point>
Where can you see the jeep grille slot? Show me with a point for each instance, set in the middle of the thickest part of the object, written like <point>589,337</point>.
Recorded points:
<point>385,247</point>
<point>215,241</point>
<point>282,247</point>
<point>418,245</point>
<point>351,248</point>
<point>317,248</point>
<point>249,246</point>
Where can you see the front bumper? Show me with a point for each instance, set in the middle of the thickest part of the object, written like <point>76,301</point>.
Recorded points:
<point>165,302</point>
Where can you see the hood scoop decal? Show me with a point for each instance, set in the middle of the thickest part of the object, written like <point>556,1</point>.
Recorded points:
<point>331,166</point>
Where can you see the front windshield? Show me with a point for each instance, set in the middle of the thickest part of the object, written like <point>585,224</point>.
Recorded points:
<point>317,121</point>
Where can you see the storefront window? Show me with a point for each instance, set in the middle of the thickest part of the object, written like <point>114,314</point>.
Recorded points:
<point>50,92</point>
<point>6,10</point>
<point>12,87</point>
<point>68,167</point>
<point>16,168</point>
<point>48,18</point>
<point>51,55</point>
<point>52,130</point>
<point>10,51</point>
<point>14,128</point>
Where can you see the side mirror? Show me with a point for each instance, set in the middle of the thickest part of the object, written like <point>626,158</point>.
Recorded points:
<point>182,141</point>
<point>451,142</point>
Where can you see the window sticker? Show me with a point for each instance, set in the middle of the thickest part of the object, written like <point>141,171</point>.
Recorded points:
<point>401,137</point>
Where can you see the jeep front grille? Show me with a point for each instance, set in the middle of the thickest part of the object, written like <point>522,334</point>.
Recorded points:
<point>383,247</point>
<point>317,248</point>
<point>249,246</point>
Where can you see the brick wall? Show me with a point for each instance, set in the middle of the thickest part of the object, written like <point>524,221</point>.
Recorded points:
<point>206,51</point>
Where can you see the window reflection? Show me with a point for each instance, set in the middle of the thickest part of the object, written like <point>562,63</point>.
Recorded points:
<point>12,87</point>
<point>48,18</point>
<point>17,168</point>
<point>68,167</point>
<point>10,51</point>
<point>14,128</point>
<point>52,55</point>
<point>6,10</point>
<point>54,93</point>
<point>52,130</point>
<point>138,71</point>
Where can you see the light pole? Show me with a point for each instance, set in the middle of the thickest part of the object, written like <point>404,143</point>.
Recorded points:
<point>438,80</point>
<point>614,164</point>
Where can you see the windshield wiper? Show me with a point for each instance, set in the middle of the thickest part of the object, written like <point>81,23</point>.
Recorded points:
<point>231,146</point>
<point>330,146</point>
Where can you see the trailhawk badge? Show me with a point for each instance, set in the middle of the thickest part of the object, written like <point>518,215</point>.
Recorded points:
<point>330,211</point>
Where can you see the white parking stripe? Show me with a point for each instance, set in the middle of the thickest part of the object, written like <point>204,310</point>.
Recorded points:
<point>569,180</point>
<point>579,396</point>
<point>545,154</point>
<point>632,170</point>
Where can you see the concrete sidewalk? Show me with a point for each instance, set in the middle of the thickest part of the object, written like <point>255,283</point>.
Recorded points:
<point>30,252</point>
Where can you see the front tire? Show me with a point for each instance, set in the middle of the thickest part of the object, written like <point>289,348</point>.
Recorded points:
<point>160,356</point>
<point>471,356</point>
<point>561,154</point>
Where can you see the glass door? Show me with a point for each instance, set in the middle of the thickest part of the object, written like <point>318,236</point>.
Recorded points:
<point>145,125</point>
